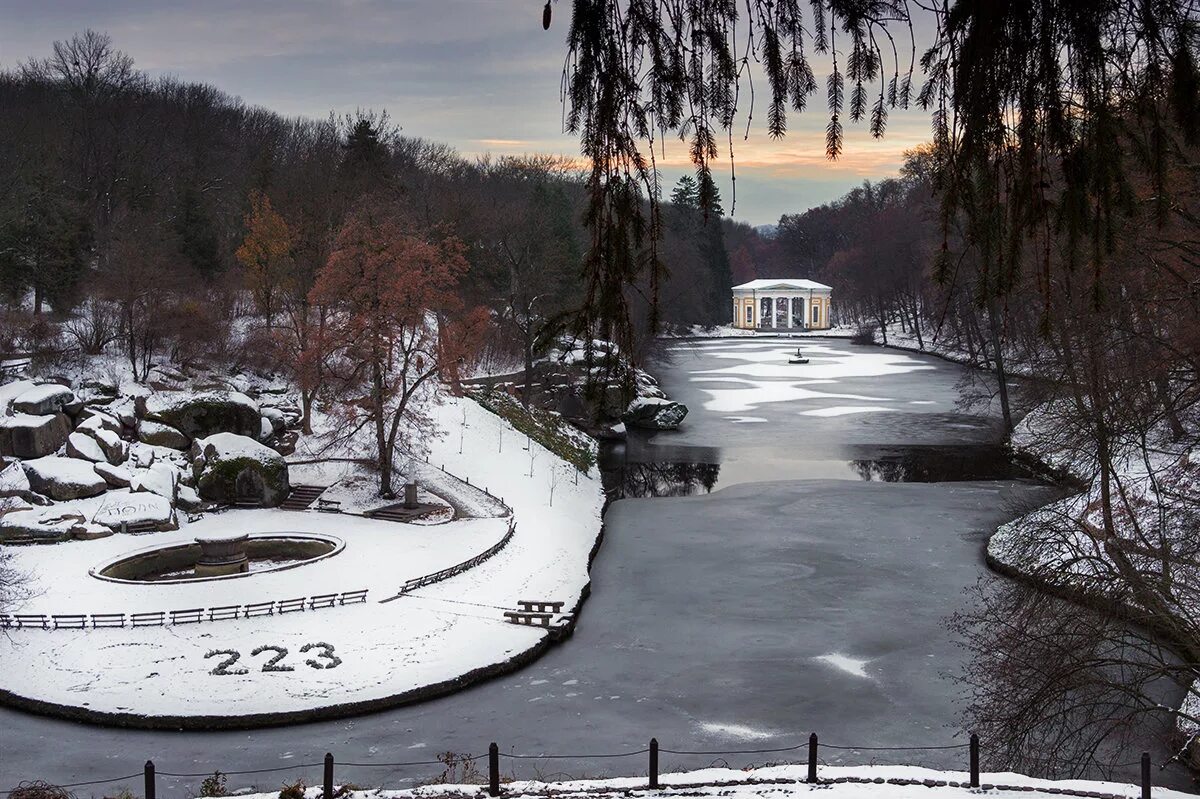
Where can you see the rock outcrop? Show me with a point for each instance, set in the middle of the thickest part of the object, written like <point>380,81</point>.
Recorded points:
<point>655,413</point>
<point>161,435</point>
<point>204,414</point>
<point>28,436</point>
<point>237,469</point>
<point>63,478</point>
<point>48,398</point>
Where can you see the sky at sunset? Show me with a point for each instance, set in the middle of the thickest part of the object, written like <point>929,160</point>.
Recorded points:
<point>480,75</point>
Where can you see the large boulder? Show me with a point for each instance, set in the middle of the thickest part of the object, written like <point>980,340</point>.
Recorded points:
<point>115,476</point>
<point>143,512</point>
<point>63,478</point>
<point>41,525</point>
<point>27,436</point>
<point>204,414</point>
<point>85,448</point>
<point>161,435</point>
<point>45,399</point>
<point>161,479</point>
<point>237,469</point>
<point>655,413</point>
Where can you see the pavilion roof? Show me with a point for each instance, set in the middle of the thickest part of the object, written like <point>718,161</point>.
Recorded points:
<point>782,283</point>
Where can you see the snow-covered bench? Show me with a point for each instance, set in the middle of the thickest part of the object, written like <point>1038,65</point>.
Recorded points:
<point>70,621</point>
<point>353,597</point>
<point>260,609</point>
<point>190,616</point>
<point>225,612</point>
<point>108,620</point>
<point>322,601</point>
<point>154,619</point>
<point>23,620</point>
<point>527,618</point>
<point>539,606</point>
<point>329,505</point>
<point>291,605</point>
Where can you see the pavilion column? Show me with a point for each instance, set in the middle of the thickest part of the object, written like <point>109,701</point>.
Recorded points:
<point>791,312</point>
<point>771,306</point>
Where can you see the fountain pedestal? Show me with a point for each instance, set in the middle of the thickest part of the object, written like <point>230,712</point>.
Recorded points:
<point>223,555</point>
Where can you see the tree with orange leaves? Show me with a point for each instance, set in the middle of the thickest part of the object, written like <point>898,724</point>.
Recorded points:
<point>397,326</point>
<point>265,252</point>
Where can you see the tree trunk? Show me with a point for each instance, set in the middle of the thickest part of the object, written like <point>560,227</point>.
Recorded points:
<point>527,346</point>
<point>381,443</point>
<point>1001,373</point>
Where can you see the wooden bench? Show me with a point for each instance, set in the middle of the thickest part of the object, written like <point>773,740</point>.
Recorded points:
<point>260,609</point>
<point>156,619</point>
<point>530,619</point>
<point>24,620</point>
<point>189,616</point>
<point>224,612</point>
<point>322,601</point>
<point>108,620</point>
<point>69,621</point>
<point>291,605</point>
<point>539,606</point>
<point>329,505</point>
<point>5,621</point>
<point>353,597</point>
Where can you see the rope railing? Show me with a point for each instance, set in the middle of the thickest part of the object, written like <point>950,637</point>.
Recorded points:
<point>162,618</point>
<point>814,766</point>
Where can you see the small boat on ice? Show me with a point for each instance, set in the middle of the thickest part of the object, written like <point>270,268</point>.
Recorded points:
<point>798,357</point>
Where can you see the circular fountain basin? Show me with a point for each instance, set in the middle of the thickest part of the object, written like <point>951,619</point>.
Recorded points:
<point>219,558</point>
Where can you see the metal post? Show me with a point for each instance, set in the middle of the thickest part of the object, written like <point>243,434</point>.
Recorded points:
<point>974,760</point>
<point>1145,775</point>
<point>149,774</point>
<point>654,763</point>
<point>493,770</point>
<point>812,758</point>
<point>328,776</point>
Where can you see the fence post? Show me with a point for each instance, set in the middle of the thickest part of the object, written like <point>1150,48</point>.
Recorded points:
<point>1145,775</point>
<point>493,770</point>
<point>654,763</point>
<point>974,760</point>
<point>812,758</point>
<point>149,775</point>
<point>328,784</point>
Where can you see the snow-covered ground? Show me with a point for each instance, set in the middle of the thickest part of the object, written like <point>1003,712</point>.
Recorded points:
<point>361,654</point>
<point>784,782</point>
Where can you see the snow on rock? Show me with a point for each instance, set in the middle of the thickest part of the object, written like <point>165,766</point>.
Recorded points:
<point>115,449</point>
<point>161,479</point>
<point>198,415</point>
<point>655,413</point>
<point>63,478</point>
<point>161,435</point>
<point>276,417</point>
<point>44,399</point>
<point>85,448</point>
<point>143,509</point>
<point>266,429</point>
<point>13,481</point>
<point>27,436</point>
<point>229,467</point>
<point>93,419</point>
<point>115,476</point>
<point>46,525</point>
<point>10,391</point>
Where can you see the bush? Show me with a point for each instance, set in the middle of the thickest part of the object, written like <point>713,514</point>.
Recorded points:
<point>865,334</point>
<point>37,789</point>
<point>214,785</point>
<point>294,791</point>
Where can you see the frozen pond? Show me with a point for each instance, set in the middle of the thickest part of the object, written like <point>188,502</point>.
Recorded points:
<point>798,596</point>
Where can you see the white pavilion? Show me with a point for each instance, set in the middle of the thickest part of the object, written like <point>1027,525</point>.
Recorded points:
<point>781,304</point>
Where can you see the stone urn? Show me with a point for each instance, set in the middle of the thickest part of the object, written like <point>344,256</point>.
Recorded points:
<point>222,555</point>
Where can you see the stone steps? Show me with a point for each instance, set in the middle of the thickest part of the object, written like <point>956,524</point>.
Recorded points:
<point>301,497</point>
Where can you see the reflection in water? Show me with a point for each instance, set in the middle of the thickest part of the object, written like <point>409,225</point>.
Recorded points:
<point>663,480</point>
<point>651,473</point>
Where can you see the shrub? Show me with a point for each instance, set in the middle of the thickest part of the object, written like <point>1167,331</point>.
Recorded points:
<point>37,789</point>
<point>214,785</point>
<point>294,791</point>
